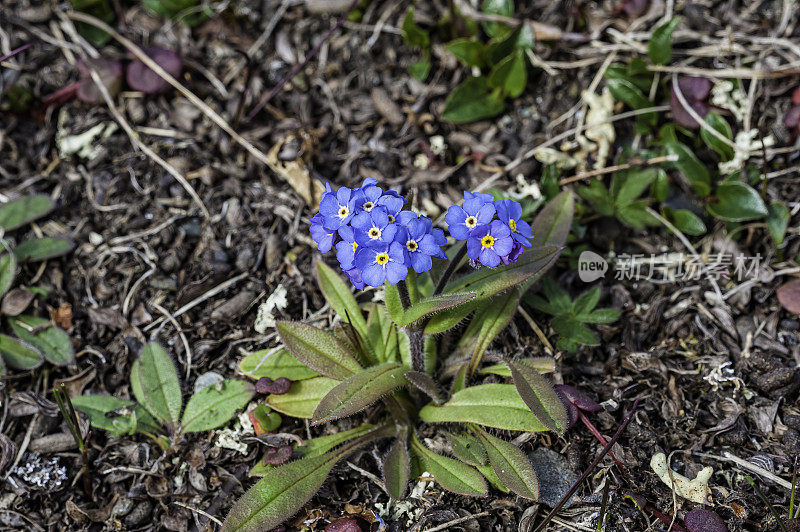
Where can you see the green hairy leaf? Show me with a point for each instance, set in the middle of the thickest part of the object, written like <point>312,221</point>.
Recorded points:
<point>317,446</point>
<point>433,304</point>
<point>489,320</point>
<point>275,363</point>
<point>660,46</point>
<point>359,391</point>
<point>540,397</point>
<point>511,465</point>
<point>8,270</point>
<point>426,384</point>
<point>215,405</point>
<point>303,397</point>
<point>397,465</point>
<point>488,472</point>
<point>19,212</point>
<point>468,449</point>
<point>318,349</point>
<point>98,409</point>
<point>278,496</point>
<point>540,364</point>
<point>155,384</point>
<point>18,354</point>
<point>449,318</point>
<point>53,342</point>
<point>393,303</point>
<point>39,249</point>
<point>490,405</point>
<point>486,282</point>
<point>736,202</point>
<point>341,300</point>
<point>451,474</point>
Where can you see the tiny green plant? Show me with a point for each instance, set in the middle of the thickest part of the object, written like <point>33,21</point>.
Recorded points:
<point>571,316</point>
<point>71,419</point>
<point>388,360</point>
<point>34,339</point>
<point>156,412</point>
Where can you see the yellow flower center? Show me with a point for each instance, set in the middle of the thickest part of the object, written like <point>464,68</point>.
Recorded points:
<point>391,218</point>
<point>355,245</point>
<point>374,233</point>
<point>487,241</point>
<point>513,225</point>
<point>411,245</point>
<point>368,206</point>
<point>382,258</point>
<point>343,212</point>
<point>471,222</point>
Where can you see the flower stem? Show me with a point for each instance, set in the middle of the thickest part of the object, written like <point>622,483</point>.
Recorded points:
<point>402,289</point>
<point>451,268</point>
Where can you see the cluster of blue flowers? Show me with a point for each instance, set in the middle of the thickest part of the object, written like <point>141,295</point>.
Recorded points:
<point>377,241</point>
<point>490,241</point>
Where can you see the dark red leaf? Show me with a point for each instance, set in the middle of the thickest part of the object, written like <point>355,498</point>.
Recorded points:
<point>343,524</point>
<point>580,399</point>
<point>634,8</point>
<point>110,73</point>
<point>278,386</point>
<point>700,520</point>
<point>792,117</point>
<point>789,296</point>
<point>695,90</point>
<point>278,455</point>
<point>141,78</point>
<point>796,96</point>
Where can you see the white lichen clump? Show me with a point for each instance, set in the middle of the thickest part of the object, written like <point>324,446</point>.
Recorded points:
<point>41,473</point>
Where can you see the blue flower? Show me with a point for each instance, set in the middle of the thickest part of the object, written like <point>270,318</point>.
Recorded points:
<point>337,208</point>
<point>373,228</point>
<point>322,236</point>
<point>346,249</point>
<point>392,202</point>
<point>383,262</point>
<point>462,220</point>
<point>512,257</point>
<point>420,244</point>
<point>483,196</point>
<point>355,277</point>
<point>489,243</point>
<point>509,211</point>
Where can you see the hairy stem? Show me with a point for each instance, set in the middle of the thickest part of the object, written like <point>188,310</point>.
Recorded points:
<point>402,289</point>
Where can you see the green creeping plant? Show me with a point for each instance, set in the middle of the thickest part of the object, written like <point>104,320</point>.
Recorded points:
<point>388,359</point>
<point>35,339</point>
<point>159,401</point>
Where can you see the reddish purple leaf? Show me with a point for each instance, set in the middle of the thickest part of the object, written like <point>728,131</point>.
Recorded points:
<point>634,8</point>
<point>110,73</point>
<point>278,386</point>
<point>792,117</point>
<point>700,520</point>
<point>141,78</point>
<point>278,455</point>
<point>789,296</point>
<point>343,524</point>
<point>695,90</point>
<point>580,399</point>
<point>796,96</point>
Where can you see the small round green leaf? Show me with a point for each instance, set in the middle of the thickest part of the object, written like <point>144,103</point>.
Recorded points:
<point>53,342</point>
